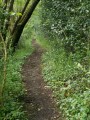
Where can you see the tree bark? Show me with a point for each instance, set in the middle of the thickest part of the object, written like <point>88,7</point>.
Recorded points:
<point>22,12</point>
<point>5,4</point>
<point>22,22</point>
<point>7,20</point>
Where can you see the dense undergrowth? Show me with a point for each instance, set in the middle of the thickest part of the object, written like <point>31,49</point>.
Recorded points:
<point>70,82</point>
<point>69,79</point>
<point>66,62</point>
<point>12,107</point>
<point>62,28</point>
<point>66,71</point>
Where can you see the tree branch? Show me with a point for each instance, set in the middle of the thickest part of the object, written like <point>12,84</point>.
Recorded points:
<point>11,5</point>
<point>29,12</point>
<point>10,8</point>
<point>5,4</point>
<point>26,4</point>
<point>4,67</point>
<point>23,10</point>
<point>24,19</point>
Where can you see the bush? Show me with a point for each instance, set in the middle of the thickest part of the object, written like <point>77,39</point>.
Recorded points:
<point>11,107</point>
<point>70,82</point>
<point>68,21</point>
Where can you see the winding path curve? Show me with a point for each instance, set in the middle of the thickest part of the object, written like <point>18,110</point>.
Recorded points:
<point>39,103</point>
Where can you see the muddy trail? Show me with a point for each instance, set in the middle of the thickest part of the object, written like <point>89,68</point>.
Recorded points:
<point>39,103</point>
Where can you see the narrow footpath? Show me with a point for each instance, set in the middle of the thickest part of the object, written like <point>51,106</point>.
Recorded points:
<point>39,103</point>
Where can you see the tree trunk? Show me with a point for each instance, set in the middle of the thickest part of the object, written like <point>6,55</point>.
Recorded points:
<point>7,20</point>
<point>16,36</point>
<point>22,22</point>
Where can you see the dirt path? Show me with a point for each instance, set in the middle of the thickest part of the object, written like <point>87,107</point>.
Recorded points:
<point>39,103</point>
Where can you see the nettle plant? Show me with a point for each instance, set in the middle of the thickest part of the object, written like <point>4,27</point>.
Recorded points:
<point>69,20</point>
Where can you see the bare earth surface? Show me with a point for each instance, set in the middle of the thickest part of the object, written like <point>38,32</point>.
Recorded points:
<point>39,103</point>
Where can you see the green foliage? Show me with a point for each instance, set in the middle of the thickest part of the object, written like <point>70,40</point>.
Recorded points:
<point>26,38</point>
<point>63,30</point>
<point>69,21</point>
<point>70,82</point>
<point>14,89</point>
<point>3,15</point>
<point>12,107</point>
<point>18,5</point>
